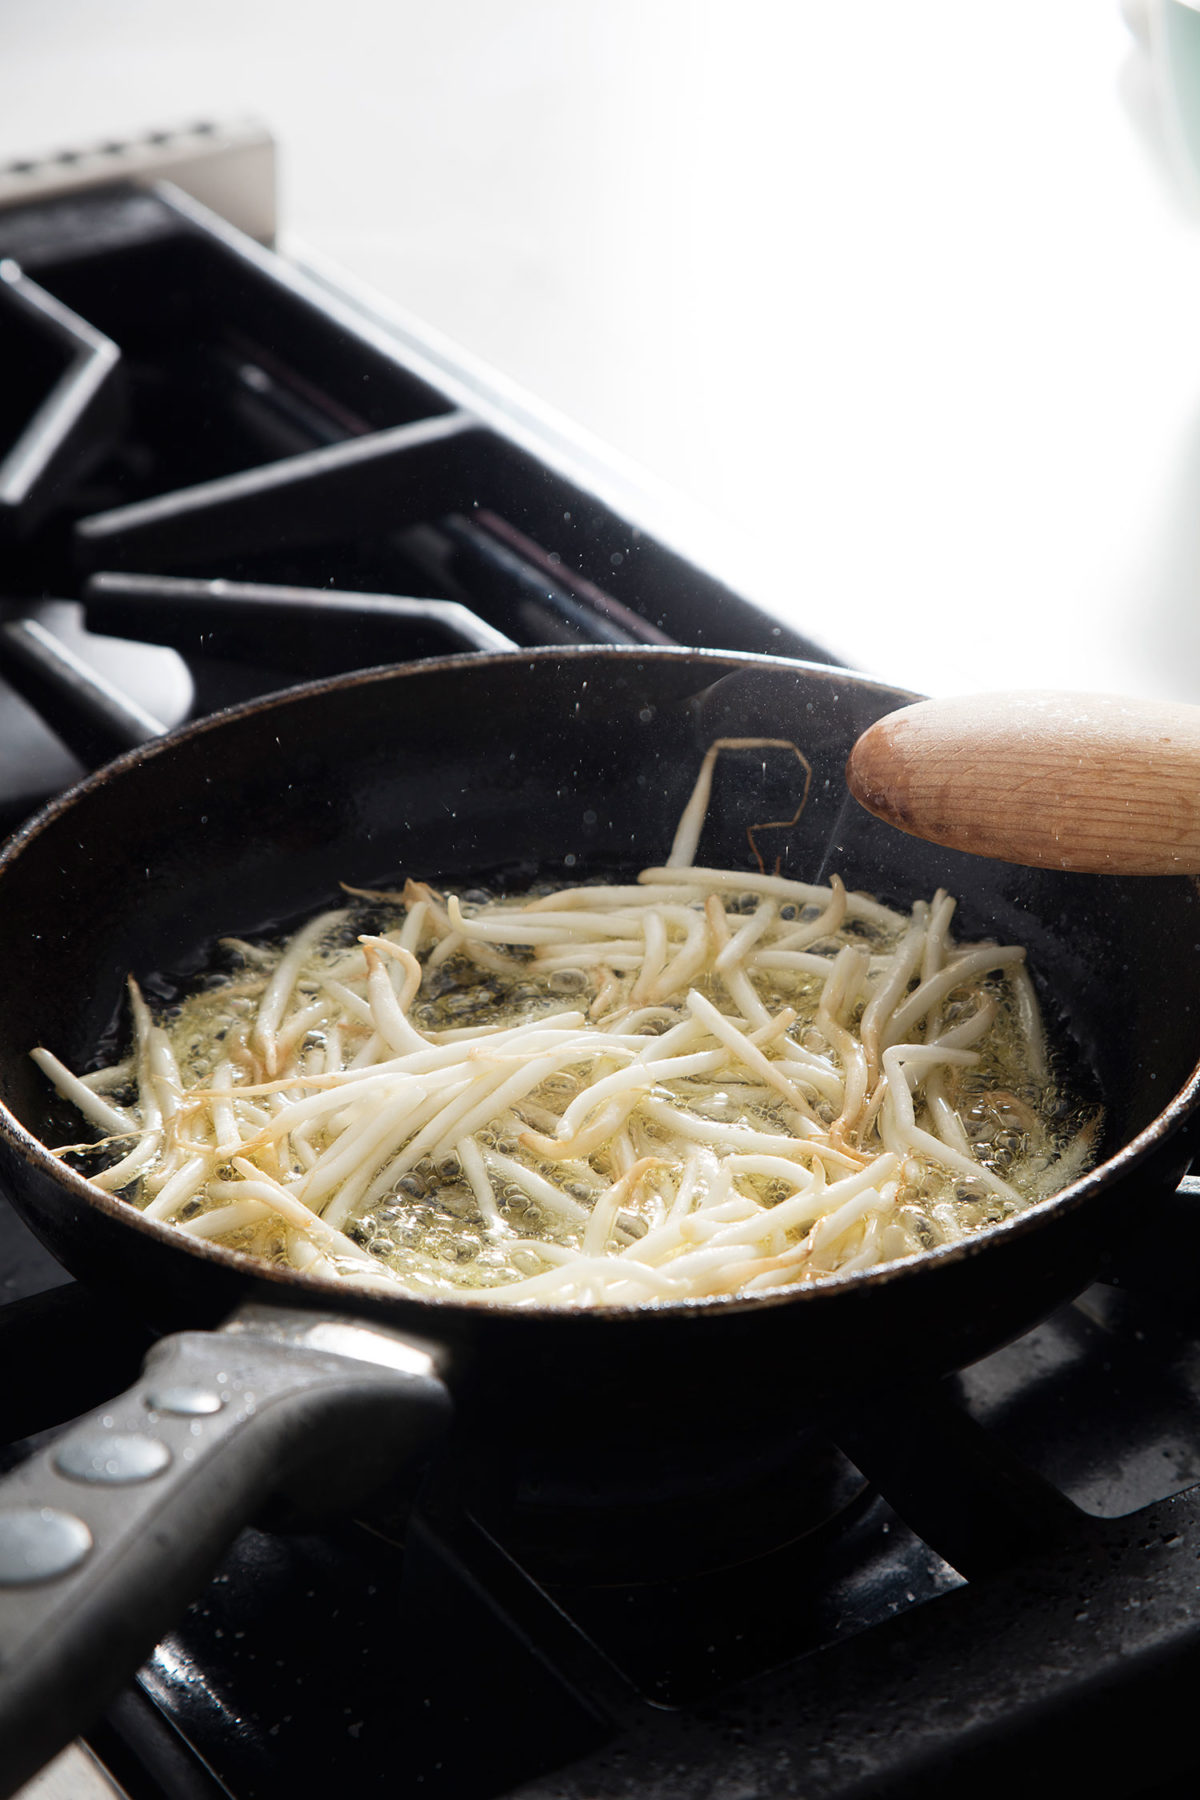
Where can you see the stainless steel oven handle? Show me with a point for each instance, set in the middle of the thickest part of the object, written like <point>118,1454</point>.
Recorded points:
<point>107,1533</point>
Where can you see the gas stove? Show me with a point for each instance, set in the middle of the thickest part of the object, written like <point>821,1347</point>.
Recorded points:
<point>217,476</point>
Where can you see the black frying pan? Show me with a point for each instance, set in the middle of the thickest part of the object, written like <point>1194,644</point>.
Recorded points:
<point>559,762</point>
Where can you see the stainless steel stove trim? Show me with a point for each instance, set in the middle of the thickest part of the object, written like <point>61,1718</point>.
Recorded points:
<point>229,165</point>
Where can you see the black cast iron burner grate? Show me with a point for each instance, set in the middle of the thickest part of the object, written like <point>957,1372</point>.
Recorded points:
<point>770,1625</point>
<point>850,1659</point>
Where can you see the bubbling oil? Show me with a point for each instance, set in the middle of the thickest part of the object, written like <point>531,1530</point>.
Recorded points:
<point>497,1213</point>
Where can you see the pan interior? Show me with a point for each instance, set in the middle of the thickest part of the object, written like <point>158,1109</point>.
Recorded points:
<point>567,765</point>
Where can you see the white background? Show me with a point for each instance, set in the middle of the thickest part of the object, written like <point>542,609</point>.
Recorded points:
<point>901,298</point>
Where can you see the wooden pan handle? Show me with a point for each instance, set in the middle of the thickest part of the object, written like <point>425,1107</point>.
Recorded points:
<point>1088,782</point>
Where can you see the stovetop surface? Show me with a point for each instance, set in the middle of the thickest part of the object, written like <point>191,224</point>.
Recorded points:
<point>850,1657</point>
<point>1030,1579</point>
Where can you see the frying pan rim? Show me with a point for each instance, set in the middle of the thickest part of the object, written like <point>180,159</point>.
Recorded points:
<point>825,1289</point>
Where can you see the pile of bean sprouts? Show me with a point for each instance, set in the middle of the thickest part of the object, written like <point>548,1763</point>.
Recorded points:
<point>702,1082</point>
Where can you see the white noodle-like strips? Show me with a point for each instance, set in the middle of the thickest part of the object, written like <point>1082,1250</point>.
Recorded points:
<point>111,1119</point>
<point>905,1133</point>
<point>255,1186</point>
<point>561,1207</point>
<point>183,1186</point>
<point>387,1007</point>
<point>120,1174</point>
<point>283,980</point>
<point>116,1075</point>
<point>890,990</point>
<point>223,1221</point>
<point>746,936</point>
<point>931,993</point>
<point>1029,1015</point>
<point>802,893</point>
<point>475,1169</point>
<point>709,1082</point>
<point>729,1034</point>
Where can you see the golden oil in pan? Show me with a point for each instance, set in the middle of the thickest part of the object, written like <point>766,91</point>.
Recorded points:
<point>429,1229</point>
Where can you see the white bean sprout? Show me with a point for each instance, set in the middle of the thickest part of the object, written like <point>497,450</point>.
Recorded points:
<point>703,1083</point>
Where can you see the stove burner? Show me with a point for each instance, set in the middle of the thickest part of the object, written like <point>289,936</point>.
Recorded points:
<point>608,1514</point>
<point>61,400</point>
